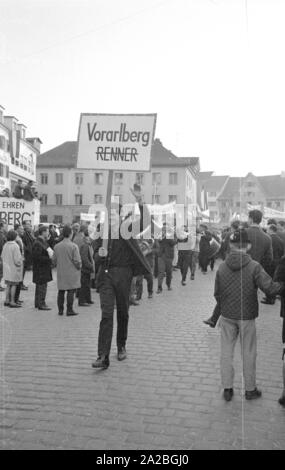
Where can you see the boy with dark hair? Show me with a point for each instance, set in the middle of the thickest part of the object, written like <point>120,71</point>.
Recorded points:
<point>236,284</point>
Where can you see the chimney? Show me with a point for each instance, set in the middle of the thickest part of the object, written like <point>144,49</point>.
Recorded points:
<point>35,142</point>
<point>22,129</point>
<point>11,122</point>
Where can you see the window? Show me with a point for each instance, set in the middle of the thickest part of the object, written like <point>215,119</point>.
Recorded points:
<point>78,178</point>
<point>155,198</point>
<point>98,199</point>
<point>1,169</point>
<point>140,178</point>
<point>7,171</point>
<point>172,198</point>
<point>58,199</point>
<point>44,199</point>
<point>269,204</point>
<point>78,199</point>
<point>212,194</point>
<point>156,178</point>
<point>43,218</point>
<point>44,178</point>
<point>173,178</point>
<point>2,142</point>
<point>238,204</point>
<point>98,178</point>
<point>278,204</point>
<point>250,184</point>
<point>212,203</point>
<point>118,178</point>
<point>250,194</point>
<point>59,178</point>
<point>57,219</point>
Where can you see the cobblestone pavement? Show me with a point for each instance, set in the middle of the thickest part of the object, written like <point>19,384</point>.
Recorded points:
<point>166,395</point>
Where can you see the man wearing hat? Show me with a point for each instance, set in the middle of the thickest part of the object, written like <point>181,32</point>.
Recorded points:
<point>236,284</point>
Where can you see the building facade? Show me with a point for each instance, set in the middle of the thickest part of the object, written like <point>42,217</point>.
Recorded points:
<point>18,154</point>
<point>67,191</point>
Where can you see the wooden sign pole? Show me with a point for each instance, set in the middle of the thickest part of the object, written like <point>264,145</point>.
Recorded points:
<point>103,251</point>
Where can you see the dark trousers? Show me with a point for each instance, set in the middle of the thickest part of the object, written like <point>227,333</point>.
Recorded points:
<point>69,300</point>
<point>164,267</point>
<point>139,284</point>
<point>85,289</point>
<point>18,291</point>
<point>114,287</point>
<point>40,295</point>
<point>185,260</point>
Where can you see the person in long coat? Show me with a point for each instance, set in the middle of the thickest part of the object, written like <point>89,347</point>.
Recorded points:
<point>12,268</point>
<point>279,276</point>
<point>42,273</point>
<point>68,261</point>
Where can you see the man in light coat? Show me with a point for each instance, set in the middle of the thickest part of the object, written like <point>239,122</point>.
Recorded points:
<point>67,259</point>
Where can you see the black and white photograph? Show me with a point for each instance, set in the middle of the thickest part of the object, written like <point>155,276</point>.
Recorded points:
<point>142,228</point>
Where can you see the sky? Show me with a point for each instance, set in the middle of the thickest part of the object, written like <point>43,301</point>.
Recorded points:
<point>212,70</point>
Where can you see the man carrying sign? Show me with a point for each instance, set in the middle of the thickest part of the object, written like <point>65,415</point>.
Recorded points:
<point>123,261</point>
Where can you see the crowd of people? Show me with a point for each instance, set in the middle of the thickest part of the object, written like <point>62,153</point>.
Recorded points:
<point>252,258</point>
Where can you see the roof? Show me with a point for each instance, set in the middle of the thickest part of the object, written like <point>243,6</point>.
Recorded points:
<point>62,156</point>
<point>205,175</point>
<point>232,187</point>
<point>215,183</point>
<point>65,156</point>
<point>34,138</point>
<point>273,186</point>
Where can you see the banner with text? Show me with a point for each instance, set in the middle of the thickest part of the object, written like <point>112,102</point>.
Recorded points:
<point>16,211</point>
<point>115,141</point>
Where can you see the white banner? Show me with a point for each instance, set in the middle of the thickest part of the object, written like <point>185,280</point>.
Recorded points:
<point>16,211</point>
<point>116,141</point>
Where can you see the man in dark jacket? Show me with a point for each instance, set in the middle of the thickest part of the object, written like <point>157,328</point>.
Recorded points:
<point>18,190</point>
<point>165,253</point>
<point>42,273</point>
<point>87,268</point>
<point>28,240</point>
<point>279,276</point>
<point>261,245</point>
<point>29,193</point>
<point>124,260</point>
<point>278,251</point>
<point>236,284</point>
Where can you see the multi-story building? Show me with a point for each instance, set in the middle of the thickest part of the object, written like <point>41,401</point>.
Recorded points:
<point>18,154</point>
<point>257,191</point>
<point>68,191</point>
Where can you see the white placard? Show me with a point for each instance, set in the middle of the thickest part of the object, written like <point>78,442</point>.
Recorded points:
<point>16,211</point>
<point>116,141</point>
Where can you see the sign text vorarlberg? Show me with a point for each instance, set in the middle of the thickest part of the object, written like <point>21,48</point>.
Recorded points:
<point>111,142</point>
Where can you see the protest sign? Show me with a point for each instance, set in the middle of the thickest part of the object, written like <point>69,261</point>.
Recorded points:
<point>115,141</point>
<point>16,211</point>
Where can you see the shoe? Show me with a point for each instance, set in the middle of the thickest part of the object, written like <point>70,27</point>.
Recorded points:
<point>192,277</point>
<point>15,305</point>
<point>60,312</point>
<point>159,290</point>
<point>83,304</point>
<point>209,322</point>
<point>169,288</point>
<point>122,354</point>
<point>134,302</point>
<point>71,314</point>
<point>268,302</point>
<point>281,401</point>
<point>90,302</point>
<point>44,307</point>
<point>24,287</point>
<point>101,363</point>
<point>253,394</point>
<point>2,289</point>
<point>20,301</point>
<point>228,394</point>
<point>150,296</point>
<point>6,304</point>
<point>183,283</point>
